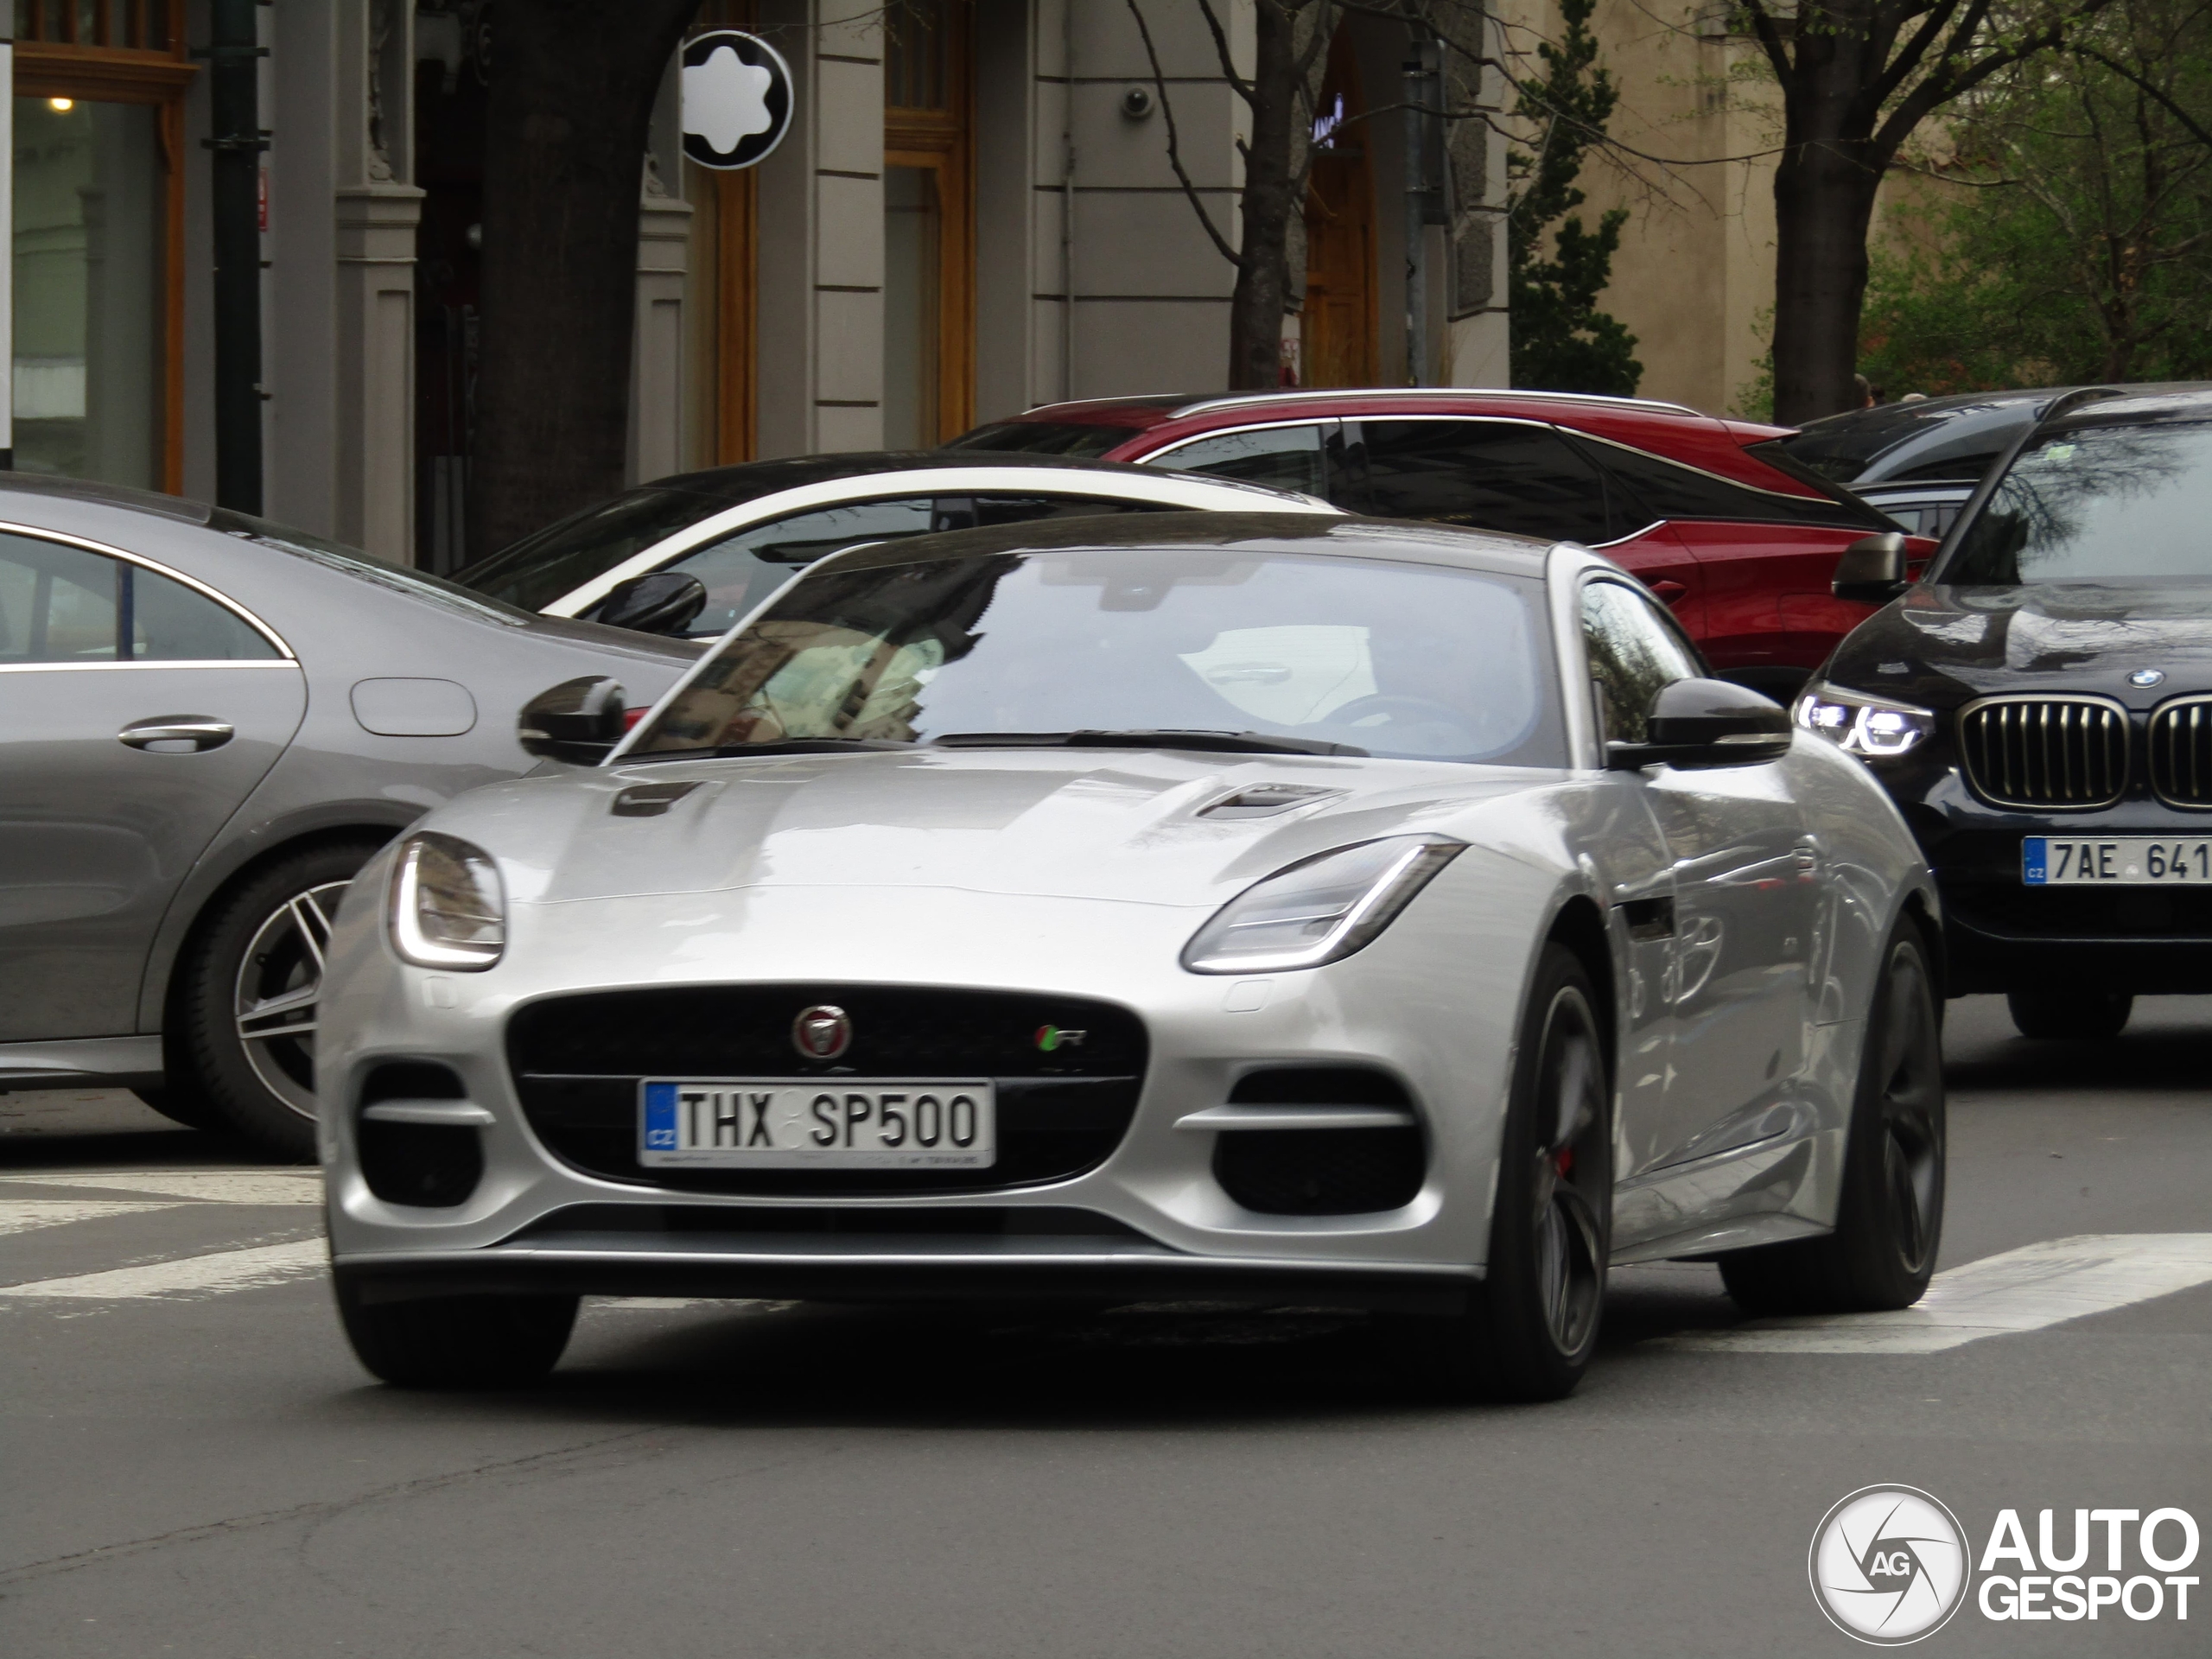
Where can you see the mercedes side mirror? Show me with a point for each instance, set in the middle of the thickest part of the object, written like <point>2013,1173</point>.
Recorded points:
<point>1873,569</point>
<point>661,601</point>
<point>578,721</point>
<point>1705,723</point>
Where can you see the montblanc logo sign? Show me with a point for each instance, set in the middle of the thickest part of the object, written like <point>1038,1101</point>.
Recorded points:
<point>737,98</point>
<point>1891,1565</point>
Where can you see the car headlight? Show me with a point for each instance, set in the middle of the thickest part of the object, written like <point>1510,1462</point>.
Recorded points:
<point>1320,909</point>
<point>448,909</point>
<point>1858,724</point>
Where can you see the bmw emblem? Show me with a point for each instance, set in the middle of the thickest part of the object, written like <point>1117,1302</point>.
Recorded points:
<point>2146,677</point>
<point>821,1032</point>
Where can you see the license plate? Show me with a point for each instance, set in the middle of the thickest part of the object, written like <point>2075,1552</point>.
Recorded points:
<point>816,1123</point>
<point>2121,861</point>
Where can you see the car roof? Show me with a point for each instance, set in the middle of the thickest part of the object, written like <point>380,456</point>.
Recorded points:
<point>1163,407</point>
<point>750,480</point>
<point>1963,433</point>
<point>2175,401</point>
<point>49,487</point>
<point>1380,539</point>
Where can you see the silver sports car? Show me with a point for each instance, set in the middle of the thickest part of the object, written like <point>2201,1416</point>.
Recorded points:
<point>1264,908</point>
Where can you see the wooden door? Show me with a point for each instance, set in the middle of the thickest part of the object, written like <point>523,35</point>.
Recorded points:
<point>1339,320</point>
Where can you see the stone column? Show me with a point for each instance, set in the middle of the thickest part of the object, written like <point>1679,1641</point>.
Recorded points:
<point>656,343</point>
<point>377,211</point>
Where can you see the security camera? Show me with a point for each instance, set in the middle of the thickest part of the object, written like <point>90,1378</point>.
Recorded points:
<point>1136,103</point>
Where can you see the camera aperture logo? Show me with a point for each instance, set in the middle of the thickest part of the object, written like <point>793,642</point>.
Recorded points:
<point>1889,1565</point>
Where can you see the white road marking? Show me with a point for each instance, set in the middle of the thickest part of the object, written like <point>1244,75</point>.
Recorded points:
<point>207,1185</point>
<point>193,1276</point>
<point>21,1215</point>
<point>2027,1289</point>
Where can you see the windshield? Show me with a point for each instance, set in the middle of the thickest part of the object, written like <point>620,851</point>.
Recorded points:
<point>2095,504</point>
<point>1841,447</point>
<point>559,559</point>
<point>1081,438</point>
<point>1403,660</point>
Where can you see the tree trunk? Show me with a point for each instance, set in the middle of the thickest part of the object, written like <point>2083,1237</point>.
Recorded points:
<point>1256,310</point>
<point>1823,204</point>
<point>571,95</point>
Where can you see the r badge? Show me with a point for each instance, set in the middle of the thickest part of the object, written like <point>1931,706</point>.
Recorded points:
<point>821,1032</point>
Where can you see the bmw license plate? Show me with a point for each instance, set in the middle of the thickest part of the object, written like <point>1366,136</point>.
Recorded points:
<point>816,1123</point>
<point>2120,861</point>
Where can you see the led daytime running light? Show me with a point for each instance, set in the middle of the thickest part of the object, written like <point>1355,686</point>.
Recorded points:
<point>448,908</point>
<point>1872,727</point>
<point>1319,910</point>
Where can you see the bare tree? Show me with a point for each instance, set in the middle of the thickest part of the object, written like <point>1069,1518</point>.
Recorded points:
<point>571,96</point>
<point>1857,78</point>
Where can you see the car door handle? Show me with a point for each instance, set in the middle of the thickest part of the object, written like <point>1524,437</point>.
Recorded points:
<point>1670,591</point>
<point>173,732</point>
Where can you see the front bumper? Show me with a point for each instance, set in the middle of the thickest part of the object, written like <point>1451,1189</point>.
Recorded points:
<point>2002,935</point>
<point>1149,1221</point>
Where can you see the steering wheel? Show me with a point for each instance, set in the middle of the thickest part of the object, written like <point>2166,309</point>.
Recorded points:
<point>1393,706</point>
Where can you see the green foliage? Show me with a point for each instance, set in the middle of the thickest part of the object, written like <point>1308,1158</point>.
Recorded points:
<point>2085,252</point>
<point>1561,341</point>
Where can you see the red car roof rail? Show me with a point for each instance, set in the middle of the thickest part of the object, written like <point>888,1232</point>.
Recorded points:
<point>1326,394</point>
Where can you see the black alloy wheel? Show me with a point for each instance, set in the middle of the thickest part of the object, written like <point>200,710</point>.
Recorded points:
<point>2069,1016</point>
<point>1890,1219</point>
<point>1533,1328</point>
<point>251,991</point>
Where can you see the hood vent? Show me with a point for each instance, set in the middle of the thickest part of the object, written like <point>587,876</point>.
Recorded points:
<point>650,800</point>
<point>1265,800</point>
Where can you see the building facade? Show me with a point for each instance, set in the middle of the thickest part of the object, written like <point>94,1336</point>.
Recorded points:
<point>974,212</point>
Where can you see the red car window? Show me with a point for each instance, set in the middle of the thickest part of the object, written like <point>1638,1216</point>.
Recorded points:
<point>1517,477</point>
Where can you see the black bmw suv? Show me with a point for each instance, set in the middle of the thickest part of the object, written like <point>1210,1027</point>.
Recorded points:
<point>2040,707</point>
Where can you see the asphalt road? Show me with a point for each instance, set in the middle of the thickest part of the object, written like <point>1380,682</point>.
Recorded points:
<point>194,1466</point>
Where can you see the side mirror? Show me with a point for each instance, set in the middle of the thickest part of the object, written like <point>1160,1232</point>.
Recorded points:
<point>1707,723</point>
<point>578,721</point>
<point>1873,569</point>
<point>660,601</point>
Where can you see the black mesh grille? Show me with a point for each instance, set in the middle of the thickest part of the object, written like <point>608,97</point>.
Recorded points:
<point>2181,752</point>
<point>1319,1172</point>
<point>577,1061</point>
<point>2045,751</point>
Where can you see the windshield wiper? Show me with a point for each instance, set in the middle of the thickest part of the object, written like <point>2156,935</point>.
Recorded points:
<point>1165,737</point>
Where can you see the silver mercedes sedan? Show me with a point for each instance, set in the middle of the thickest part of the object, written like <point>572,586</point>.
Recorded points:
<point>1268,908</point>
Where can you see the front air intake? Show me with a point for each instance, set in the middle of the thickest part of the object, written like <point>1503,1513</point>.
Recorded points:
<point>2046,752</point>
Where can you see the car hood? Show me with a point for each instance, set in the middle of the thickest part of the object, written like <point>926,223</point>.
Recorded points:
<point>1140,827</point>
<point>1939,646</point>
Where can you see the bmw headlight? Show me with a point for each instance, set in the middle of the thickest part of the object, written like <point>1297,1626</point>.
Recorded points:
<point>1858,724</point>
<point>448,909</point>
<point>1320,909</point>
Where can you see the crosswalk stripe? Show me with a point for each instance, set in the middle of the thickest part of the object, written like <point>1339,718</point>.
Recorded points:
<point>207,1185</point>
<point>2027,1289</point>
<point>22,1214</point>
<point>214,1275</point>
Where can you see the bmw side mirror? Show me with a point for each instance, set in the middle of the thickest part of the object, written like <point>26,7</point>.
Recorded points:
<point>1873,569</point>
<point>661,601</point>
<point>1705,723</point>
<point>578,721</point>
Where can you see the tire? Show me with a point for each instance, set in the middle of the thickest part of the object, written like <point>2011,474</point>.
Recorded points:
<point>1890,1218</point>
<point>185,1105</point>
<point>458,1342</point>
<point>249,990</point>
<point>1532,1328</point>
<point>2069,1016</point>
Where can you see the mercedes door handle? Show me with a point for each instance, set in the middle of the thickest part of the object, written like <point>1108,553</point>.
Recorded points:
<point>176,734</point>
<point>1670,591</point>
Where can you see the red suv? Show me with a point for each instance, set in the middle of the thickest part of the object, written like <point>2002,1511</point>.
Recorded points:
<point>1713,514</point>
